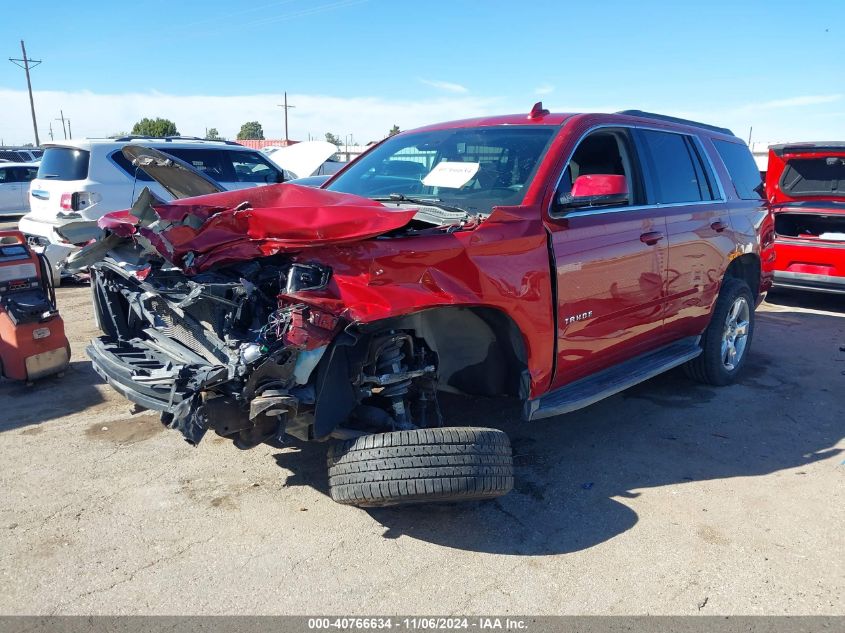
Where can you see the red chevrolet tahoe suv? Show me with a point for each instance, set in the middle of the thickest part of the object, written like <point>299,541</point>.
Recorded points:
<point>555,258</point>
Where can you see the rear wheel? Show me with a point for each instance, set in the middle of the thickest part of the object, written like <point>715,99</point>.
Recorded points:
<point>726,340</point>
<point>421,465</point>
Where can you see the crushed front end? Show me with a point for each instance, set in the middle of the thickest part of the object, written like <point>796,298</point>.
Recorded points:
<point>228,351</point>
<point>203,320</point>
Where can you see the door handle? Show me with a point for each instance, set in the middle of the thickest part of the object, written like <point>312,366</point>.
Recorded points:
<point>651,238</point>
<point>718,226</point>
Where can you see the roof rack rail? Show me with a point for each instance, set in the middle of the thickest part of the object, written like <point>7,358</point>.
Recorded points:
<point>672,119</point>
<point>170,139</point>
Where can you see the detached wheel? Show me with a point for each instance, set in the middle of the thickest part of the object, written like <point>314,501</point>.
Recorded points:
<point>422,465</point>
<point>727,338</point>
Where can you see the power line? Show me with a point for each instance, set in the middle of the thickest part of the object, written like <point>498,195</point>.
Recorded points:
<point>286,107</point>
<point>27,64</point>
<point>63,119</point>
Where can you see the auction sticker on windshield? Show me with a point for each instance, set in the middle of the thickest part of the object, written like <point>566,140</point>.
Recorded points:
<point>451,175</point>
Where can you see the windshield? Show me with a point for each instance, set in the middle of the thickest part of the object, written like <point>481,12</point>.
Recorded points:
<point>473,169</point>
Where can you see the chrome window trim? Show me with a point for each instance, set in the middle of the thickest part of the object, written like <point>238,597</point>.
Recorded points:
<point>639,207</point>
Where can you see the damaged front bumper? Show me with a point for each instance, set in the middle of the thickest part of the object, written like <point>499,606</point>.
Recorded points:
<point>224,355</point>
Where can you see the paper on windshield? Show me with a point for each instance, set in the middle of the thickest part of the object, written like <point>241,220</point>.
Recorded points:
<point>449,174</point>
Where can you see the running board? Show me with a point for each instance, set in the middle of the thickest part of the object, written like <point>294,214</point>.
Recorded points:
<point>591,389</point>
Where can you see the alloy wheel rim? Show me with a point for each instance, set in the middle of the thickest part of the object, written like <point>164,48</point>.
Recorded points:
<point>735,333</point>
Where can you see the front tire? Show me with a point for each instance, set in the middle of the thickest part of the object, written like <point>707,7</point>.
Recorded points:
<point>727,339</point>
<point>420,466</point>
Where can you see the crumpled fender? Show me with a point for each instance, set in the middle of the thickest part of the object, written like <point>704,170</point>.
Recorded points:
<point>204,231</point>
<point>501,264</point>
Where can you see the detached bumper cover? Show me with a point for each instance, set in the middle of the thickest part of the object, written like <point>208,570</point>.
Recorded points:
<point>155,380</point>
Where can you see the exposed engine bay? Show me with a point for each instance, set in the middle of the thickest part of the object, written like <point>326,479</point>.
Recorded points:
<point>228,347</point>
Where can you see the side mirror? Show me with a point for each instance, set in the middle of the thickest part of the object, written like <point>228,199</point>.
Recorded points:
<point>595,190</point>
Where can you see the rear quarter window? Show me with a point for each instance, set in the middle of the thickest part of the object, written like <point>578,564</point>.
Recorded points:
<point>128,168</point>
<point>64,163</point>
<point>742,169</point>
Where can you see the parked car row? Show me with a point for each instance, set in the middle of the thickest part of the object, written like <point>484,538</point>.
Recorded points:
<point>14,187</point>
<point>20,154</point>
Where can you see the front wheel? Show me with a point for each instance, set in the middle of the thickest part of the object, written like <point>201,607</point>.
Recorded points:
<point>421,465</point>
<point>726,340</point>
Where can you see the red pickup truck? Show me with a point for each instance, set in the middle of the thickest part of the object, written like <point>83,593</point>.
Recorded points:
<point>555,258</point>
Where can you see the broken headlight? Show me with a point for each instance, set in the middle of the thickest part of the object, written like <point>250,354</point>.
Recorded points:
<point>307,277</point>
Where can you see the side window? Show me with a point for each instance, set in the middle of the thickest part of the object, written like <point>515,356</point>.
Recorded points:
<point>121,161</point>
<point>5,176</point>
<point>742,169</point>
<point>677,171</point>
<point>606,152</point>
<point>29,173</point>
<point>252,167</point>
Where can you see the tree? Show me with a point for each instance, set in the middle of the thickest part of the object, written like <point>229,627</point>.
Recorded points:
<point>251,130</point>
<point>331,138</point>
<point>157,127</point>
<point>211,134</point>
<point>394,130</point>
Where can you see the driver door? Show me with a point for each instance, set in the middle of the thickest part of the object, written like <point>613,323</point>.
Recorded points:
<point>610,263</point>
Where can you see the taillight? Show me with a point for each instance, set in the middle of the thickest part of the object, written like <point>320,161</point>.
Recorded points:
<point>69,202</point>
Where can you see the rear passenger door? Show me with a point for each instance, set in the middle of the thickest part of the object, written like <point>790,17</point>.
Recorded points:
<point>681,180</point>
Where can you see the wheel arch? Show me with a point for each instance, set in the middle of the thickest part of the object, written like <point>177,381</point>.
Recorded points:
<point>746,267</point>
<point>480,349</point>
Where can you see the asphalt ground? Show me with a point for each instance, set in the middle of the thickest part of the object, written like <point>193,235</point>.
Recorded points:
<point>669,498</point>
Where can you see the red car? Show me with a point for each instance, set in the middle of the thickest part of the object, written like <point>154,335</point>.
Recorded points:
<point>555,258</point>
<point>805,184</point>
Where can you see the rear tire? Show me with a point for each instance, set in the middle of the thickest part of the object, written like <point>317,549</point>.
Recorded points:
<point>420,466</point>
<point>727,339</point>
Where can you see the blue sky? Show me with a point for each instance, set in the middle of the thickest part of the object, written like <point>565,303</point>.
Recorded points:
<point>357,66</point>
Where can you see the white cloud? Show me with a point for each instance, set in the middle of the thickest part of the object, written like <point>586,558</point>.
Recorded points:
<point>366,118</point>
<point>544,89</point>
<point>370,118</point>
<point>795,102</point>
<point>445,86</point>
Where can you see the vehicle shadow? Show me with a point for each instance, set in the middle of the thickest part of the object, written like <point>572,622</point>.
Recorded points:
<point>574,472</point>
<point>828,302</point>
<point>75,391</point>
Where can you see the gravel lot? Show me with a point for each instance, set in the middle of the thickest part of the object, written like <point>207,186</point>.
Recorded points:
<point>670,498</point>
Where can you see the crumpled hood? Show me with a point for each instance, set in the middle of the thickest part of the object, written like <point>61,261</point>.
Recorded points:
<point>200,232</point>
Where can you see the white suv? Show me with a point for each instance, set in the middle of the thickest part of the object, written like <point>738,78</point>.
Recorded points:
<point>79,181</point>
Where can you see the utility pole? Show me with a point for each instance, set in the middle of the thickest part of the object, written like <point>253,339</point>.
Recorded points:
<point>27,64</point>
<point>51,130</point>
<point>69,133</point>
<point>286,107</point>
<point>62,119</point>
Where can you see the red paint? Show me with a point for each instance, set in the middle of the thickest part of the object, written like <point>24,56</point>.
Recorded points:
<point>258,222</point>
<point>805,254</point>
<point>779,156</point>
<point>599,185</point>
